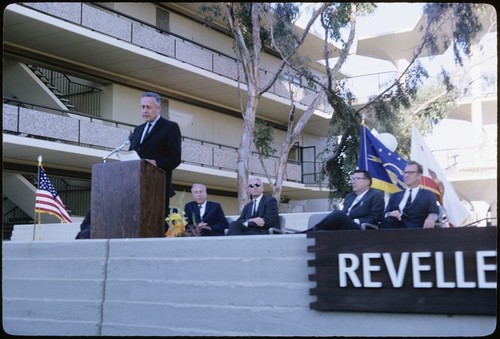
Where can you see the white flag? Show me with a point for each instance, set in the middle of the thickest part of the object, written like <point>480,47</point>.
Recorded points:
<point>435,180</point>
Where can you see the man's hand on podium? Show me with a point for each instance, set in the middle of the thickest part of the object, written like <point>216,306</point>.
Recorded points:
<point>153,162</point>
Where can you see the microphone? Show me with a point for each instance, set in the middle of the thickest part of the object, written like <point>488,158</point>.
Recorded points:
<point>119,148</point>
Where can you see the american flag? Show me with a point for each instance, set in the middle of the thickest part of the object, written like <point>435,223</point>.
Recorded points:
<point>47,199</point>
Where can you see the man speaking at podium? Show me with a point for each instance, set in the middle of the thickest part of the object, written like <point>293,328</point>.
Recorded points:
<point>157,141</point>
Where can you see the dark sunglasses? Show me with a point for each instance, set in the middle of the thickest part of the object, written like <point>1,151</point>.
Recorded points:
<point>254,185</point>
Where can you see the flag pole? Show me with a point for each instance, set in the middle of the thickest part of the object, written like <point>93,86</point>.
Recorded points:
<point>363,130</point>
<point>39,226</point>
<point>37,215</point>
<point>34,225</point>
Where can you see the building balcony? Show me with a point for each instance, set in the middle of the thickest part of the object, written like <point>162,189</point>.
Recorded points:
<point>92,39</point>
<point>82,140</point>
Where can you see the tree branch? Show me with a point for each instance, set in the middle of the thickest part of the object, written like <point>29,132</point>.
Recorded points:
<point>285,60</point>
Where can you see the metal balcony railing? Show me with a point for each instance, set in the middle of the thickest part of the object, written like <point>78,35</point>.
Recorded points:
<point>82,98</point>
<point>126,28</point>
<point>123,27</point>
<point>477,159</point>
<point>150,37</point>
<point>364,87</point>
<point>36,121</point>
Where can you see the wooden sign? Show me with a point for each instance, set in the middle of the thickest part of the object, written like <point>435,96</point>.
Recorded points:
<point>441,270</point>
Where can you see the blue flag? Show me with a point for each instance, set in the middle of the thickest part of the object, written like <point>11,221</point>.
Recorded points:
<point>385,167</point>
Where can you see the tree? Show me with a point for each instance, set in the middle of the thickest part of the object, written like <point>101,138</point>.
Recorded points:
<point>257,27</point>
<point>404,103</point>
<point>334,17</point>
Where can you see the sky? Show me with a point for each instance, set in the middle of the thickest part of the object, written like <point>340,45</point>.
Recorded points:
<point>394,17</point>
<point>389,18</point>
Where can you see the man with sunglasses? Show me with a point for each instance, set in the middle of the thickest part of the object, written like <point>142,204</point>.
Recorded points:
<point>415,207</point>
<point>364,205</point>
<point>258,215</point>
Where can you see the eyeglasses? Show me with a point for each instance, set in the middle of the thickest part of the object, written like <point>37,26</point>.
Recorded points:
<point>357,178</point>
<point>409,172</point>
<point>254,185</point>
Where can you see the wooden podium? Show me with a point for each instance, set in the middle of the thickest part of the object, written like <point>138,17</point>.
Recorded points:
<point>127,200</point>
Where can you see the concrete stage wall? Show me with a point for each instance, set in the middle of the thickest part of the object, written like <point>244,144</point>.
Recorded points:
<point>205,286</point>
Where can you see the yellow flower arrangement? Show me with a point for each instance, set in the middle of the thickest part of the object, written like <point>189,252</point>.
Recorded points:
<point>177,222</point>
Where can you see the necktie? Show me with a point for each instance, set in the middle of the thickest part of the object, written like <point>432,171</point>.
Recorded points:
<point>354,203</point>
<point>408,202</point>
<point>148,129</point>
<point>254,208</point>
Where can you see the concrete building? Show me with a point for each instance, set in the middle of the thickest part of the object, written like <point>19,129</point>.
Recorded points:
<point>73,74</point>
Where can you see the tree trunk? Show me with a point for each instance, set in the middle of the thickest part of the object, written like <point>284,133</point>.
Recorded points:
<point>245,149</point>
<point>291,135</point>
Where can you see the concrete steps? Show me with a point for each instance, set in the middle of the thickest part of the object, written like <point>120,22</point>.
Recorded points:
<point>60,231</point>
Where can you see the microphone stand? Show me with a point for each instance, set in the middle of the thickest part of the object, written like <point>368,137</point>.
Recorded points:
<point>119,148</point>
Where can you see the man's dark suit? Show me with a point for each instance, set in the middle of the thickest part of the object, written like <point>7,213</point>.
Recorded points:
<point>267,210</point>
<point>162,144</point>
<point>213,216</point>
<point>415,214</point>
<point>370,209</point>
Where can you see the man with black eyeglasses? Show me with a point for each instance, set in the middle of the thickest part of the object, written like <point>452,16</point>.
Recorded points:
<point>258,215</point>
<point>362,206</point>
<point>415,207</point>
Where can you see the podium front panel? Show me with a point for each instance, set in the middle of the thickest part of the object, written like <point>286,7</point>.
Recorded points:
<point>127,200</point>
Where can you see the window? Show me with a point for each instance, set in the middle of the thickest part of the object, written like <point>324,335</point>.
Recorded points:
<point>292,78</point>
<point>162,19</point>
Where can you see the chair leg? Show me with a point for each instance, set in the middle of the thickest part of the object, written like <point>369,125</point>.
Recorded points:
<point>274,230</point>
<point>367,226</point>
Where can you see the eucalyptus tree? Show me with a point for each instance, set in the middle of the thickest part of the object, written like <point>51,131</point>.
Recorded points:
<point>258,28</point>
<point>261,27</point>
<point>406,101</point>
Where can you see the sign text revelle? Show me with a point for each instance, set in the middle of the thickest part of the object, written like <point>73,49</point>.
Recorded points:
<point>451,271</point>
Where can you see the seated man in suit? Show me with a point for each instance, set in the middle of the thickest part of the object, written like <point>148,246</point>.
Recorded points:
<point>362,205</point>
<point>84,228</point>
<point>258,215</point>
<point>414,207</point>
<point>205,218</point>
